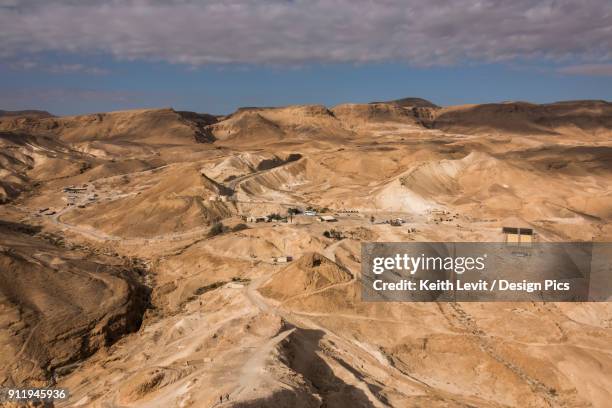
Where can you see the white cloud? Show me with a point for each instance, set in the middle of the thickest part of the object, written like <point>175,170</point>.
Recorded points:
<point>298,32</point>
<point>588,69</point>
<point>30,65</point>
<point>75,68</point>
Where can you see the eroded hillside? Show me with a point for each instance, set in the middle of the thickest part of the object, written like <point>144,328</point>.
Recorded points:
<point>255,301</point>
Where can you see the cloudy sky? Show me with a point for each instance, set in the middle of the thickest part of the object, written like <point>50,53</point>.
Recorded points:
<point>76,56</point>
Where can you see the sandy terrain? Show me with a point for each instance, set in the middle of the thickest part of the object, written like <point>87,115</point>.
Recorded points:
<point>135,275</point>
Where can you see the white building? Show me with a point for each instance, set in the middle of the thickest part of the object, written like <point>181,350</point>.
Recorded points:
<point>327,218</point>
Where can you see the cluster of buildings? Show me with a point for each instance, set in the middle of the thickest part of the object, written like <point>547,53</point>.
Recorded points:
<point>321,218</point>
<point>76,190</point>
<point>266,218</point>
<point>76,194</point>
<point>439,216</point>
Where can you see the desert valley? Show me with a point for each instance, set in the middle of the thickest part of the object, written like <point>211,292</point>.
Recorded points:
<point>162,258</point>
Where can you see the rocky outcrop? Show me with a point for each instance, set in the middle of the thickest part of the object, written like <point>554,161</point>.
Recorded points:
<point>60,306</point>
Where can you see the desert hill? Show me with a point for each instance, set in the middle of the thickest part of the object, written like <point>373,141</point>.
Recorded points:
<point>587,117</point>
<point>170,200</point>
<point>26,113</point>
<point>268,125</point>
<point>253,297</point>
<point>153,126</point>
<point>352,115</point>
<point>487,182</point>
<point>166,126</point>
<point>411,103</point>
<point>245,125</point>
<point>311,272</point>
<point>27,159</point>
<point>276,124</point>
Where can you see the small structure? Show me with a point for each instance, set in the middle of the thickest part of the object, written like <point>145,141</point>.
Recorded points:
<point>75,190</point>
<point>311,213</point>
<point>222,198</point>
<point>256,219</point>
<point>396,222</point>
<point>327,218</point>
<point>334,234</point>
<point>282,259</point>
<point>518,236</point>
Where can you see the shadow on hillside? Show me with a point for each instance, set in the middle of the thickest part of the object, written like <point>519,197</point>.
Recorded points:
<point>299,352</point>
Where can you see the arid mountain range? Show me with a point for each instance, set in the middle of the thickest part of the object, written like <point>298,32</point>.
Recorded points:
<point>134,270</point>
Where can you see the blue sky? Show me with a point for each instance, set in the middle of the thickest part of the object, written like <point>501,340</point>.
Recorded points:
<point>72,57</point>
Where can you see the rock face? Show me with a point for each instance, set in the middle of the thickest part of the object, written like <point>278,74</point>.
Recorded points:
<point>59,306</point>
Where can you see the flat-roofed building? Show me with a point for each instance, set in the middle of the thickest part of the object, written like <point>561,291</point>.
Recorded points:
<point>253,218</point>
<point>327,218</point>
<point>518,236</point>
